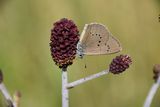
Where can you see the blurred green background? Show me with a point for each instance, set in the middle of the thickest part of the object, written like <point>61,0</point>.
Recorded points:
<point>27,65</point>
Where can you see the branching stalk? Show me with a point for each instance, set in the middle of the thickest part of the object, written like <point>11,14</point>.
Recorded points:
<point>7,95</point>
<point>93,76</point>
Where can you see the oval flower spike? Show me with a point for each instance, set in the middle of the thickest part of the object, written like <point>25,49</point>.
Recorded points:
<point>120,64</point>
<point>64,39</point>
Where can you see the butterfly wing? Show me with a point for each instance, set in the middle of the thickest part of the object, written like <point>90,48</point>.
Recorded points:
<point>111,46</point>
<point>96,40</point>
<point>85,34</point>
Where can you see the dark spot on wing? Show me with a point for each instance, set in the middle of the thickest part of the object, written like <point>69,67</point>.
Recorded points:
<point>108,46</point>
<point>105,44</point>
<point>99,41</point>
<point>100,37</point>
<point>98,45</point>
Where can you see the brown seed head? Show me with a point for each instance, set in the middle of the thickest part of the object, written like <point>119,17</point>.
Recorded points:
<point>156,71</point>
<point>120,64</point>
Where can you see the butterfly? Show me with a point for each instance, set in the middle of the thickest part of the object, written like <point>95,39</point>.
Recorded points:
<point>96,39</point>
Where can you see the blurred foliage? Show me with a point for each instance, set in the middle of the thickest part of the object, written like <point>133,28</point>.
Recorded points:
<point>27,65</point>
<point>158,2</point>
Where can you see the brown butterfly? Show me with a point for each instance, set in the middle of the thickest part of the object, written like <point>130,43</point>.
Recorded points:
<point>97,40</point>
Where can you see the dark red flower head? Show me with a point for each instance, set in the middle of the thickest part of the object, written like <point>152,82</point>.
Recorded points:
<point>120,64</point>
<point>156,71</point>
<point>63,45</point>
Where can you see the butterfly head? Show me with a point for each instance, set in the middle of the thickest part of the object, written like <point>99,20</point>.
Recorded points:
<point>80,50</point>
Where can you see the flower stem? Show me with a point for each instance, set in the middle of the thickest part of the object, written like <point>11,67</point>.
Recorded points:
<point>80,81</point>
<point>151,94</point>
<point>7,95</point>
<point>65,96</point>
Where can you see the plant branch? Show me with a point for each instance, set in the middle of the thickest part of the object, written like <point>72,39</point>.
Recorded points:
<point>7,95</point>
<point>151,94</point>
<point>80,81</point>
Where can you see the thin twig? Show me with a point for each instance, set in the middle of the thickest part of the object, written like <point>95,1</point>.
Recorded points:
<point>7,95</point>
<point>65,96</point>
<point>151,94</point>
<point>93,76</point>
<point>16,97</point>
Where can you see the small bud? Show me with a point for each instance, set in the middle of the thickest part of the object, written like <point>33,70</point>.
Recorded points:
<point>120,64</point>
<point>18,94</point>
<point>1,76</point>
<point>156,71</point>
